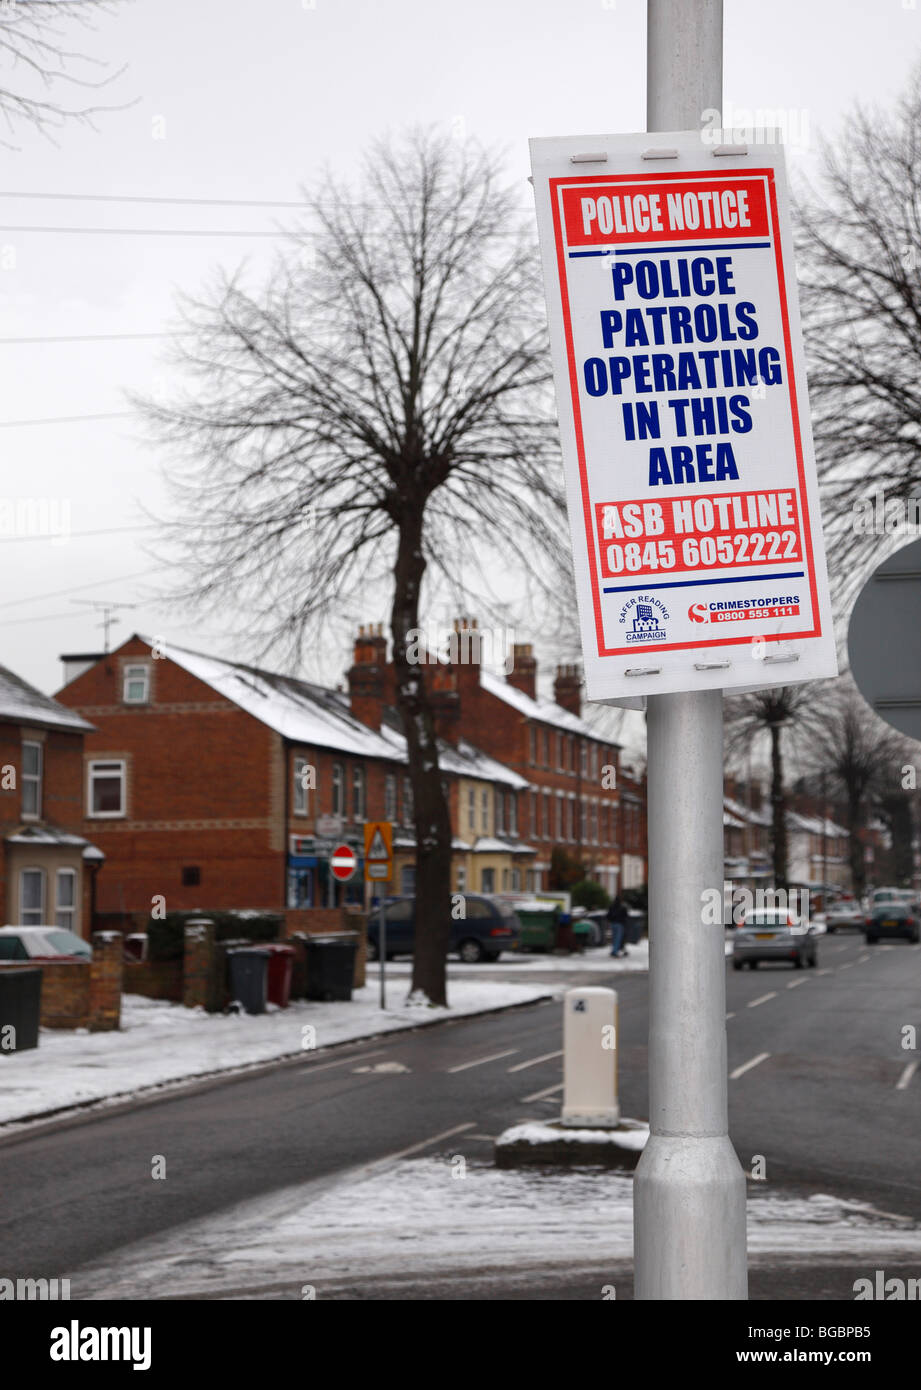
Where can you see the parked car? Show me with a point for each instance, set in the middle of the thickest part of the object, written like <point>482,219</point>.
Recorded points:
<point>893,918</point>
<point>43,943</point>
<point>846,912</point>
<point>773,934</point>
<point>487,928</point>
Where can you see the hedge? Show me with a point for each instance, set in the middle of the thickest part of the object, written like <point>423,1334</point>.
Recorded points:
<point>166,935</point>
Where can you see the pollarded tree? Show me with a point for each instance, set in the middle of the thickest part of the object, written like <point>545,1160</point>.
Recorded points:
<point>378,410</point>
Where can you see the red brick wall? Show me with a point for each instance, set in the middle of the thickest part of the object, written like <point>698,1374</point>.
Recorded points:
<point>204,789</point>
<point>154,979</point>
<point>65,992</point>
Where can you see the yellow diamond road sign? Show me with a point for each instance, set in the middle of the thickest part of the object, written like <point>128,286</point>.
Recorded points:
<point>378,851</point>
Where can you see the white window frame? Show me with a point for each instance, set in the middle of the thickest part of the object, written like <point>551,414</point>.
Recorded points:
<point>134,671</point>
<point>484,811</point>
<point>62,910</point>
<point>512,813</point>
<point>33,778</point>
<point>338,790</point>
<point>471,810</point>
<point>359,792</point>
<point>42,878</point>
<point>301,799</point>
<point>110,764</point>
<point>390,796</point>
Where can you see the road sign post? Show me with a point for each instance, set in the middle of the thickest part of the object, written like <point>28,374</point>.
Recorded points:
<point>379,869</point>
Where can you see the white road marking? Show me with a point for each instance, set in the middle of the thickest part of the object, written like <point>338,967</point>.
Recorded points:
<point>795,984</point>
<point>547,1057</point>
<point>425,1143</point>
<point>360,1057</point>
<point>729,1016</point>
<point>861,959</point>
<point>540,1095</point>
<point>481,1061</point>
<point>384,1067</point>
<point>907,1074</point>
<point>747,1066</point>
<point>823,972</point>
<point>849,965</point>
<point>762,999</point>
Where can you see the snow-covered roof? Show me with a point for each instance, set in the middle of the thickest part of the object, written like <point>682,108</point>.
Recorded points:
<point>44,835</point>
<point>314,715</point>
<point>21,702</point>
<point>813,824</point>
<point>545,711</point>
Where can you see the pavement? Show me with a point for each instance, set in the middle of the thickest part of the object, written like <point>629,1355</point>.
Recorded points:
<point>820,1088</point>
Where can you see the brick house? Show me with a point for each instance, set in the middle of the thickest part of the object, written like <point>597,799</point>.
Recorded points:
<point>48,866</point>
<point>211,784</point>
<point>579,797</point>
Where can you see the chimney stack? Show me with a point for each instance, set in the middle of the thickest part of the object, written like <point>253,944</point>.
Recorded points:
<point>466,653</point>
<point>567,688</point>
<point>523,675</point>
<point>445,703</point>
<point>366,677</point>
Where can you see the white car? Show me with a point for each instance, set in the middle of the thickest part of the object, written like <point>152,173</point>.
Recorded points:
<point>42,943</point>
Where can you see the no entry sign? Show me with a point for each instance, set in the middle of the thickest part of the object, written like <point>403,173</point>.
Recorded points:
<point>681,391</point>
<point>343,862</point>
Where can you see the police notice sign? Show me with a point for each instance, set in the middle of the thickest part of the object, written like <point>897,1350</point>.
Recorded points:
<point>681,391</point>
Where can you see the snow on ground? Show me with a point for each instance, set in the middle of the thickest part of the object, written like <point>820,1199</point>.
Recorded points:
<point>449,1216</point>
<point>161,1042</point>
<point>514,965</point>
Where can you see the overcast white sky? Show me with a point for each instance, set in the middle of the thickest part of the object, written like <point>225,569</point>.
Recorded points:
<point>235,100</point>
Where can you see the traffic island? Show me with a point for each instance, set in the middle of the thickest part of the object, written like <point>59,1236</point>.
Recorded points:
<point>555,1145</point>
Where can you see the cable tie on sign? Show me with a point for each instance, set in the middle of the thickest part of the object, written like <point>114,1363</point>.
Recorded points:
<point>600,158</point>
<point>711,665</point>
<point>722,150</point>
<point>643,671</point>
<point>659,152</point>
<point>777,660</point>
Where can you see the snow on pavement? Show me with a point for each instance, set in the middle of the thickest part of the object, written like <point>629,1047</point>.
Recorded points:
<point>449,1216</point>
<point>161,1043</point>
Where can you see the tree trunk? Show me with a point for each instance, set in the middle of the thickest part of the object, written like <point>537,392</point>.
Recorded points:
<point>778,810</point>
<point>431,814</point>
<point>855,845</point>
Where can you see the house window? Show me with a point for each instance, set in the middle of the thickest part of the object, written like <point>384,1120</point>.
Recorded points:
<point>338,790</point>
<point>594,762</point>
<point>570,821</point>
<point>461,878</point>
<point>532,744</point>
<point>136,685</point>
<point>191,876</point>
<point>484,811</point>
<point>532,805</point>
<point>471,810</point>
<point>545,819</point>
<point>572,752</point>
<point>66,910</point>
<point>559,752</point>
<point>408,879</point>
<point>32,897</point>
<point>31,780</point>
<point>499,814</point>
<point>488,881</point>
<point>505,880</point>
<point>358,793</point>
<point>516,880</point>
<point>390,797</point>
<point>546,748</point>
<point>300,786</point>
<point>583,757</point>
<point>408,807</point>
<point>512,806</point>
<point>559,815</point>
<point>106,789</point>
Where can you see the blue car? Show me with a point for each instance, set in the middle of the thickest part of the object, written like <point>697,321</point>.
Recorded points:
<point>481,928</point>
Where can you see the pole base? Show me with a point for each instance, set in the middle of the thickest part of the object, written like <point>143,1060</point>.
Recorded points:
<point>689,1220</point>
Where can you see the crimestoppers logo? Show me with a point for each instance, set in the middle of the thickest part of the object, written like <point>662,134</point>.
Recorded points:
<point>644,611</point>
<point>698,612</point>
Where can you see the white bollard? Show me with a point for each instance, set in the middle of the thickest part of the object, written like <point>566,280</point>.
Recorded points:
<point>590,1058</point>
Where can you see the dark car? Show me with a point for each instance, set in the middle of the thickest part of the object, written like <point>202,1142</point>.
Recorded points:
<point>481,928</point>
<point>901,919</point>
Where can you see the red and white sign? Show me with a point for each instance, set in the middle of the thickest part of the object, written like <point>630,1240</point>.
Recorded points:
<point>681,391</point>
<point>343,862</point>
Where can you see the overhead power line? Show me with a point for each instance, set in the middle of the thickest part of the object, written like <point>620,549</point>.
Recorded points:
<point>153,198</point>
<point>68,419</point>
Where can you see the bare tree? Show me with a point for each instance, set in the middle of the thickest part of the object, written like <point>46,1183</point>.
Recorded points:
<point>378,410</point>
<point>859,266</point>
<point>862,757</point>
<point>38,62</point>
<point>778,711</point>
